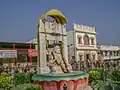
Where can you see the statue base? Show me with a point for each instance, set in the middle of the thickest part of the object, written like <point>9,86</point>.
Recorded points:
<point>66,81</point>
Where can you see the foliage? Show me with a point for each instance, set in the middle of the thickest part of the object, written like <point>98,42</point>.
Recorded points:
<point>115,75</point>
<point>22,78</point>
<point>94,75</point>
<point>103,74</point>
<point>107,80</point>
<point>35,87</point>
<point>97,85</point>
<point>105,85</point>
<point>5,74</point>
<point>6,81</point>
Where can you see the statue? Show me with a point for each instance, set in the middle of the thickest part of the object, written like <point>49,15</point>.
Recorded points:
<point>56,63</point>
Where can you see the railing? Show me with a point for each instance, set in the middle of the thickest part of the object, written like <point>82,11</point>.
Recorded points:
<point>111,57</point>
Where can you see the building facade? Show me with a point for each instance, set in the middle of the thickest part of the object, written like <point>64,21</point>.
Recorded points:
<point>82,42</point>
<point>13,53</point>
<point>107,52</point>
<point>82,45</point>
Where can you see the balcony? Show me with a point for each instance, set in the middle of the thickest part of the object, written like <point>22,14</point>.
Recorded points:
<point>111,57</point>
<point>91,47</point>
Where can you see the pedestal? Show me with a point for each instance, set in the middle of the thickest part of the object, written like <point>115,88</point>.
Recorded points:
<point>68,81</point>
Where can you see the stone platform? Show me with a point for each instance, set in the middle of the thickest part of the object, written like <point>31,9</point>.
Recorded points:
<point>66,81</point>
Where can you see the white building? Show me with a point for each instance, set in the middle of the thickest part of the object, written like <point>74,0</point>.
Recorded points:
<point>82,42</point>
<point>107,52</point>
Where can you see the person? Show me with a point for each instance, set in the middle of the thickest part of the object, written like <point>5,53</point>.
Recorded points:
<point>16,70</point>
<point>35,71</point>
<point>64,87</point>
<point>13,72</point>
<point>25,70</point>
<point>79,65</point>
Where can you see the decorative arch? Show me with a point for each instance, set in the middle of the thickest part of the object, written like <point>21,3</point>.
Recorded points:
<point>79,36</point>
<point>53,85</point>
<point>70,85</point>
<point>56,14</point>
<point>86,39</point>
<point>91,37</point>
<point>80,53</point>
<point>79,84</point>
<point>46,86</point>
<point>62,83</point>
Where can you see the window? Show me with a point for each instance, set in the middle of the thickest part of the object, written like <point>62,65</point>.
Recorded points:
<point>86,40</point>
<point>110,53</point>
<point>106,53</point>
<point>101,52</point>
<point>79,40</point>
<point>73,57</point>
<point>80,57</point>
<point>93,57</point>
<point>117,53</point>
<point>22,56</point>
<point>114,53</point>
<point>92,41</point>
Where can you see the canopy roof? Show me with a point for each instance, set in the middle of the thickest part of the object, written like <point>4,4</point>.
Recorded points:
<point>17,45</point>
<point>56,14</point>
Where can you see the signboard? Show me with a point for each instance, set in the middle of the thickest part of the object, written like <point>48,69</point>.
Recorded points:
<point>8,53</point>
<point>32,52</point>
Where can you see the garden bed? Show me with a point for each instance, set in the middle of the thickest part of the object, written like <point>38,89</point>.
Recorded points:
<point>7,81</point>
<point>105,80</point>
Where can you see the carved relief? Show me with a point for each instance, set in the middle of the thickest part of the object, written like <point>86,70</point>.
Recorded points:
<point>55,61</point>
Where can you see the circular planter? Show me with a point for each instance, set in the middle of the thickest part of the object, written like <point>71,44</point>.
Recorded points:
<point>71,81</point>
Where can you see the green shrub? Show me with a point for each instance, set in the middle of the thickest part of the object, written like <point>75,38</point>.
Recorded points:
<point>115,75</point>
<point>6,81</point>
<point>103,74</point>
<point>94,75</point>
<point>22,78</point>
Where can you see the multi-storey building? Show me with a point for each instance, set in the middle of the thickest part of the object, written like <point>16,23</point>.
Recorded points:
<point>82,42</point>
<point>108,52</point>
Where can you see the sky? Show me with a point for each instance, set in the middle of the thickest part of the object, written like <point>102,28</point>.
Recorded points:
<point>18,17</point>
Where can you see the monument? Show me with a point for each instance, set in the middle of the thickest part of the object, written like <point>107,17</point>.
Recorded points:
<point>55,73</point>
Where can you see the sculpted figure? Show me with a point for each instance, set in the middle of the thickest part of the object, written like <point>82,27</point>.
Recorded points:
<point>55,62</point>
